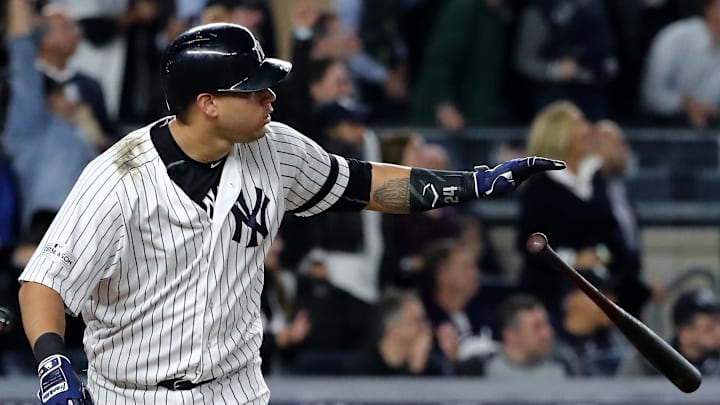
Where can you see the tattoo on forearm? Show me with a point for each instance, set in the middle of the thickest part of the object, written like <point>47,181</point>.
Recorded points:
<point>394,194</point>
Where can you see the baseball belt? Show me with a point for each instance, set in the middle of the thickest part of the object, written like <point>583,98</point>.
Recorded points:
<point>178,384</point>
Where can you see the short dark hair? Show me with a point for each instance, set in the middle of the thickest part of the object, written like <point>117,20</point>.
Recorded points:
<point>322,24</point>
<point>391,303</point>
<point>512,306</point>
<point>392,146</point>
<point>435,257</point>
<point>318,67</point>
<point>388,308</point>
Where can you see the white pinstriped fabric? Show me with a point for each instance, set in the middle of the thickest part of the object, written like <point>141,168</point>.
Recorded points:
<point>165,290</point>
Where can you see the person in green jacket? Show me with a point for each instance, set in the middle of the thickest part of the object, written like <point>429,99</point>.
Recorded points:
<point>460,74</point>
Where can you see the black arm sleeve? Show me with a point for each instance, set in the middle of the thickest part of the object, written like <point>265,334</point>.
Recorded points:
<point>357,193</point>
<point>430,189</point>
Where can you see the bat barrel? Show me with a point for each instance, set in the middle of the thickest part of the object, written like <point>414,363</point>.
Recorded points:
<point>658,352</point>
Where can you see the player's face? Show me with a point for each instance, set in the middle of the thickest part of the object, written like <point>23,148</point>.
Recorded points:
<point>242,116</point>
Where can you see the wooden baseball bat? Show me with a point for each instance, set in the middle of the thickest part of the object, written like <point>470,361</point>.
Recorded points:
<point>658,352</point>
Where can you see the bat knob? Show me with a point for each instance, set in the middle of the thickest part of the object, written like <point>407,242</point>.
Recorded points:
<point>537,242</point>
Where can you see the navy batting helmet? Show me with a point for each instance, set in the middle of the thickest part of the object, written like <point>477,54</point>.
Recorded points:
<point>216,58</point>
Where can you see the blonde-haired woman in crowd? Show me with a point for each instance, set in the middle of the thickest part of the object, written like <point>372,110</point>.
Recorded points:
<point>573,209</point>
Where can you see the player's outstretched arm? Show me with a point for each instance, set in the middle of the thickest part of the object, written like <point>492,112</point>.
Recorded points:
<point>399,189</point>
<point>43,316</point>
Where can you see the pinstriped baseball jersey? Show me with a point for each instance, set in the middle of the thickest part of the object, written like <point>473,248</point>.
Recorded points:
<point>167,290</point>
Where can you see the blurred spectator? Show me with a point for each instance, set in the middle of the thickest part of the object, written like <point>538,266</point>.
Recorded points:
<point>615,152</point>
<point>696,317</point>
<point>572,208</point>
<point>5,319</point>
<point>404,255</point>
<point>587,331</point>
<point>403,146</point>
<point>403,341</point>
<point>339,321</point>
<point>4,85</point>
<point>7,322</point>
<point>118,49</point>
<point>380,69</point>
<point>60,37</point>
<point>283,331</point>
<point>50,134</point>
<point>460,73</point>
<point>8,235</point>
<point>635,24</point>
<point>418,23</point>
<point>610,144</point>
<point>461,327</point>
<point>527,343</point>
<point>343,122</point>
<point>329,81</point>
<point>9,210</point>
<point>567,48</point>
<point>353,241</point>
<point>319,73</point>
<point>141,97</point>
<point>285,15</point>
<point>682,76</point>
<point>476,235</point>
<point>177,16</point>
<point>253,14</point>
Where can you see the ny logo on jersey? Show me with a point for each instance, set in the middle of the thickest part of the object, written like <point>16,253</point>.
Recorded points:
<point>255,219</point>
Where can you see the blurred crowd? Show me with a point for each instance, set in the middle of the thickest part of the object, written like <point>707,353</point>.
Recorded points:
<point>365,293</point>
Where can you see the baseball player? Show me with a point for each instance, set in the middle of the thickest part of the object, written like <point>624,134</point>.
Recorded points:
<point>160,244</point>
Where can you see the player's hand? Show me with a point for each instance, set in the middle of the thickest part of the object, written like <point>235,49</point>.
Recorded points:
<point>506,177</point>
<point>58,383</point>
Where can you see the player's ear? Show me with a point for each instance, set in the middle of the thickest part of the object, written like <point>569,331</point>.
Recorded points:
<point>207,104</point>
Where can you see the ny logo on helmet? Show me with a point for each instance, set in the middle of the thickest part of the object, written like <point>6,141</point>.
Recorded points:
<point>259,51</point>
<point>255,219</point>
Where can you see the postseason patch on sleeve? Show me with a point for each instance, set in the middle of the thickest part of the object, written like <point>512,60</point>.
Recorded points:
<point>59,254</point>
